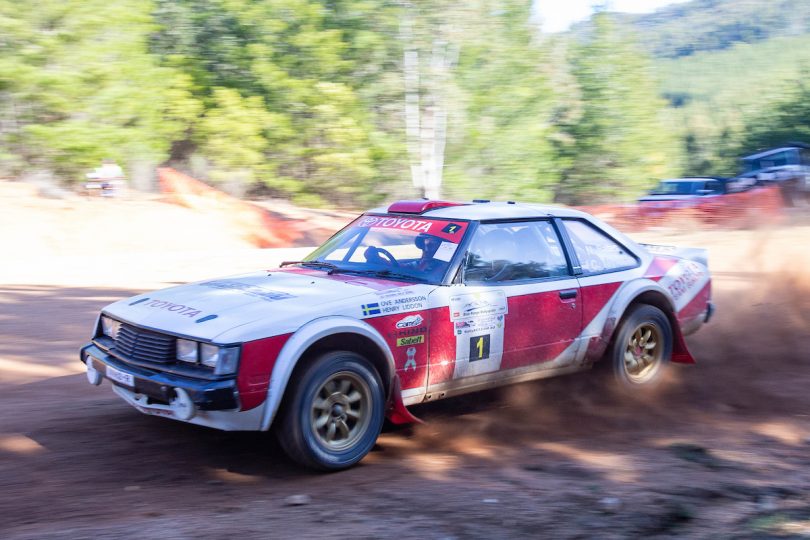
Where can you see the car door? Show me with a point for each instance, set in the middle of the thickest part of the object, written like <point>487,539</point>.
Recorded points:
<point>516,309</point>
<point>602,265</point>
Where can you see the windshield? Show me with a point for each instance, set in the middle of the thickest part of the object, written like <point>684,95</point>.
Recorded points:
<point>669,187</point>
<point>417,248</point>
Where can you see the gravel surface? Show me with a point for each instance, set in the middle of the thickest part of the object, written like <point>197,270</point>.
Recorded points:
<point>721,450</point>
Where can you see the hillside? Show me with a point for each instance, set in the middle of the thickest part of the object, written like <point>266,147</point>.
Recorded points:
<point>732,72</point>
<point>711,25</point>
<point>742,75</point>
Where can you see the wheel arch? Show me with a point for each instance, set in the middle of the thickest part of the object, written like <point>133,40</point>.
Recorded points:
<point>649,293</point>
<point>326,333</point>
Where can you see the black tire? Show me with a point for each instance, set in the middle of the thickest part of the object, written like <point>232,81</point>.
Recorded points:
<point>629,355</point>
<point>324,424</point>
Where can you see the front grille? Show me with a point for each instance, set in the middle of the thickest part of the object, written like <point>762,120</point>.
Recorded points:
<point>143,345</point>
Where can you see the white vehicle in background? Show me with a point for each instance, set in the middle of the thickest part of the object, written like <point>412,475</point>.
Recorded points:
<point>107,181</point>
<point>787,166</point>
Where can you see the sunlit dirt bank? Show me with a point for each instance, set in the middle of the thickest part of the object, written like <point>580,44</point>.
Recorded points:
<point>721,450</point>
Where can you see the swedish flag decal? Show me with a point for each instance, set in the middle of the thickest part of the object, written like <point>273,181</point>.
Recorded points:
<point>371,309</point>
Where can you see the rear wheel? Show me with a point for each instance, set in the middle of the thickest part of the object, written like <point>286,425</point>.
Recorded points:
<point>642,348</point>
<point>334,413</point>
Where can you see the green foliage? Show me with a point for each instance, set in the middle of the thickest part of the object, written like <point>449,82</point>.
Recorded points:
<point>619,141</point>
<point>317,69</point>
<point>77,85</point>
<point>500,130</point>
<point>727,95</point>
<point>785,120</point>
<point>306,99</point>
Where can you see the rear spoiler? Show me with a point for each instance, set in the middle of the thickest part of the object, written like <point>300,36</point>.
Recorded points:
<point>699,255</point>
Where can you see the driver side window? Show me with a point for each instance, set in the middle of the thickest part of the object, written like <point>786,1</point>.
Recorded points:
<point>506,252</point>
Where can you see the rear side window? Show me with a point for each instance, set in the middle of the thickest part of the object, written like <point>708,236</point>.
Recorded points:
<point>596,251</point>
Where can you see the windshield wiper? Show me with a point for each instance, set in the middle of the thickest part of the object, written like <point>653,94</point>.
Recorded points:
<point>318,264</point>
<point>390,274</point>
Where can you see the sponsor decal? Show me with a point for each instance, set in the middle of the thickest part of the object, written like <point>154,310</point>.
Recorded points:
<point>405,332</point>
<point>478,305</point>
<point>410,321</point>
<point>406,224</point>
<point>452,228</point>
<point>690,275</point>
<point>256,291</point>
<point>412,340</point>
<point>439,228</point>
<point>371,309</point>
<point>478,323</point>
<point>411,362</point>
<point>178,309</point>
<point>155,412</point>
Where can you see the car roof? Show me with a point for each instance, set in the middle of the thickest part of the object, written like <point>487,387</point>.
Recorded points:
<point>696,179</point>
<point>478,211</point>
<point>489,210</point>
<point>767,153</point>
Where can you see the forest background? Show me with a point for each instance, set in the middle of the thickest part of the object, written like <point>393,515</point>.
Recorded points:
<point>346,103</point>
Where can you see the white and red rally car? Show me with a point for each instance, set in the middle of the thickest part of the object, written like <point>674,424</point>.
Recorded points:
<point>416,302</point>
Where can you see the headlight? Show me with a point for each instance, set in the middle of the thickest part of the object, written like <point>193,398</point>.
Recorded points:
<point>110,327</point>
<point>187,350</point>
<point>224,360</point>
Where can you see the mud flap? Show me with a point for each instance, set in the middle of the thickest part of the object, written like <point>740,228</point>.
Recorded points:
<point>680,352</point>
<point>397,413</point>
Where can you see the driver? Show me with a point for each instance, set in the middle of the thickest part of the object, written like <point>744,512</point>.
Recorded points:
<point>428,244</point>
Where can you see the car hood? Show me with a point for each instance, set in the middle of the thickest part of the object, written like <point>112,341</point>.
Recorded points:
<point>280,299</point>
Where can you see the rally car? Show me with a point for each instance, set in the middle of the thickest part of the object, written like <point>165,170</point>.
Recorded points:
<point>412,303</point>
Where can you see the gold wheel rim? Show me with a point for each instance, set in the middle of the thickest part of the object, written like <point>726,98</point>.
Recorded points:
<point>643,352</point>
<point>340,411</point>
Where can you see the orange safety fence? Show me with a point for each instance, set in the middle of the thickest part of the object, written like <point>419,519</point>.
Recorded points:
<point>757,206</point>
<point>257,225</point>
<point>264,228</point>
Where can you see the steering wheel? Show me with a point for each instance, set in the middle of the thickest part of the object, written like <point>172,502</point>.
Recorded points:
<point>375,252</point>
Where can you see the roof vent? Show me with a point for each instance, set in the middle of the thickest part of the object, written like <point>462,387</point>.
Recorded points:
<point>419,207</point>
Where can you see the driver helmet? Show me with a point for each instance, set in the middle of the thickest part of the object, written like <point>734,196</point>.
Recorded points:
<point>428,244</point>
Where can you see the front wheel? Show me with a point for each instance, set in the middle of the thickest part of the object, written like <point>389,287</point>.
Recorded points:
<point>334,412</point>
<point>642,348</point>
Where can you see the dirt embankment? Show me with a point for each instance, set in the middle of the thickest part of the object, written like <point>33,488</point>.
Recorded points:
<point>722,449</point>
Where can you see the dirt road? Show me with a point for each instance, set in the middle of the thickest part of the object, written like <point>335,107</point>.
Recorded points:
<point>722,450</point>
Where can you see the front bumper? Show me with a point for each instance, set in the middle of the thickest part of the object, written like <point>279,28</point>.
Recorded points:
<point>157,390</point>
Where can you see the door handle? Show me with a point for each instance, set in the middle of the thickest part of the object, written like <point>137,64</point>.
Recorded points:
<point>568,294</point>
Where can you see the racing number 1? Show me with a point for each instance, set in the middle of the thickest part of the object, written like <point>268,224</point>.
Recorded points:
<point>479,347</point>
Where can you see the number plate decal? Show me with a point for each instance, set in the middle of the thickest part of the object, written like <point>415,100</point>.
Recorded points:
<point>119,376</point>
